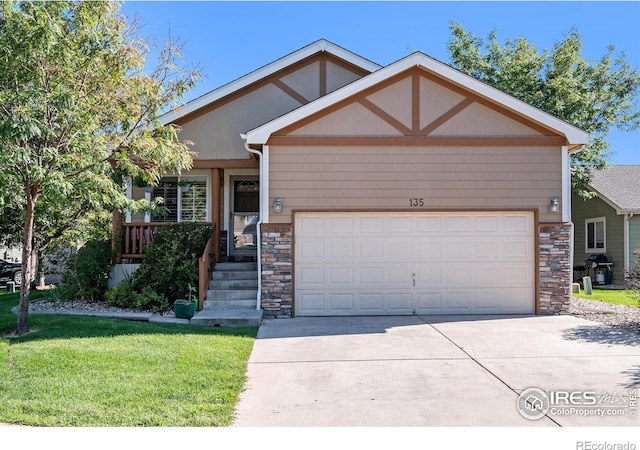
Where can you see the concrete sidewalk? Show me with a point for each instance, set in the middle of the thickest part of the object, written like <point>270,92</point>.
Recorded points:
<point>434,371</point>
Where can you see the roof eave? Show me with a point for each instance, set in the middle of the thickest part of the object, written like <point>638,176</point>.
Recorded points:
<point>321,45</point>
<point>576,138</point>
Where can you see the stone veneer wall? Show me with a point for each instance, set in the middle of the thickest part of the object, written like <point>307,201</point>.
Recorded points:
<point>276,300</point>
<point>555,268</point>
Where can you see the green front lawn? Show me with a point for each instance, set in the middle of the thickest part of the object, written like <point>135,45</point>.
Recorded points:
<point>609,296</point>
<point>87,371</point>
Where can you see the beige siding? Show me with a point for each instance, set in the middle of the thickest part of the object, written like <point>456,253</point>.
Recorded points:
<point>352,120</point>
<point>395,100</point>
<point>364,178</point>
<point>216,134</point>
<point>478,120</point>
<point>434,100</point>
<point>305,81</point>
<point>338,76</point>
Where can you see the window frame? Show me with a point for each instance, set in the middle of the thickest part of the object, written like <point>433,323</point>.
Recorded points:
<point>595,248</point>
<point>195,176</point>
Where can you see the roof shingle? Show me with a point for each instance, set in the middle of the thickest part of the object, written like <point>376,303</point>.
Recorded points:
<point>620,185</point>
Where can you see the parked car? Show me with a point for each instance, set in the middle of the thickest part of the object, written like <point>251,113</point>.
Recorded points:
<point>10,271</point>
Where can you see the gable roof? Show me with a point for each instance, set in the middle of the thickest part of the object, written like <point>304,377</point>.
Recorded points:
<point>321,45</point>
<point>575,137</point>
<point>619,186</point>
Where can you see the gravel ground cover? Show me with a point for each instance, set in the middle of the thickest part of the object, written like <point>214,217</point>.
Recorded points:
<point>81,305</point>
<point>626,317</point>
<point>620,316</point>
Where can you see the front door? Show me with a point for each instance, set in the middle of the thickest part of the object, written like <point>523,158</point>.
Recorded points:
<point>245,213</point>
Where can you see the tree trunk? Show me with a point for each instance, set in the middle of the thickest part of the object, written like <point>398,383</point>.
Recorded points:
<point>31,193</point>
<point>39,268</point>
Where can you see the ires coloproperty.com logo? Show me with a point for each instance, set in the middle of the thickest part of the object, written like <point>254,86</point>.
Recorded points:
<point>534,403</point>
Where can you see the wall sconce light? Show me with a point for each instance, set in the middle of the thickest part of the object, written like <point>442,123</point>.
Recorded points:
<point>277,205</point>
<point>554,205</point>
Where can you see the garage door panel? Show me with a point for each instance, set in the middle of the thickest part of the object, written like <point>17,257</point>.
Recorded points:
<point>519,223</point>
<point>428,302</point>
<point>371,249</point>
<point>440,263</point>
<point>371,301</point>
<point>311,250</point>
<point>342,275</point>
<point>428,225</point>
<point>341,301</point>
<point>310,303</point>
<point>429,275</point>
<point>341,250</point>
<point>516,250</point>
<point>373,224</point>
<point>400,224</point>
<point>309,277</point>
<point>400,302</point>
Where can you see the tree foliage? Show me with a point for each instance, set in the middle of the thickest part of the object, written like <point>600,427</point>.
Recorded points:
<point>592,95</point>
<point>79,114</point>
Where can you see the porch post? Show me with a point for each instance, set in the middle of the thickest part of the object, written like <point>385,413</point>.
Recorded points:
<point>116,238</point>
<point>215,210</point>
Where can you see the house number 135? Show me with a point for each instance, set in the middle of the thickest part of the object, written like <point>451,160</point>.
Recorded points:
<point>415,202</point>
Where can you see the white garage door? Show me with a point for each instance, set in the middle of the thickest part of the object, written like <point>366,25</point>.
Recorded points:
<point>414,263</point>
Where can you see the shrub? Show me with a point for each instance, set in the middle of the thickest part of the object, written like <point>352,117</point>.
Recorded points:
<point>170,262</point>
<point>125,296</point>
<point>88,272</point>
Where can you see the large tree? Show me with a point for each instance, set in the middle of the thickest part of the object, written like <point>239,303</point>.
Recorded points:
<point>78,114</point>
<point>592,95</point>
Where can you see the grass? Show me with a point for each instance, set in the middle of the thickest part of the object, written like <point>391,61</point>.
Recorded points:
<point>87,371</point>
<point>609,296</point>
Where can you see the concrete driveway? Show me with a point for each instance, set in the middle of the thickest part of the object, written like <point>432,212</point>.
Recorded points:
<point>440,371</point>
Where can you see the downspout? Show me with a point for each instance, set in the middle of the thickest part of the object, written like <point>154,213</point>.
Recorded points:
<point>566,186</point>
<point>627,243</point>
<point>259,224</point>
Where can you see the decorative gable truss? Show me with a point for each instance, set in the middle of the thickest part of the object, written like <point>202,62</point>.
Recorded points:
<point>416,107</point>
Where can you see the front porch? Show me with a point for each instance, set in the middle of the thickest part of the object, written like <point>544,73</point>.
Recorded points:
<point>223,194</point>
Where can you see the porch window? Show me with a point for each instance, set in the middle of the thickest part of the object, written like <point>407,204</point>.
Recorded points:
<point>180,203</point>
<point>596,231</point>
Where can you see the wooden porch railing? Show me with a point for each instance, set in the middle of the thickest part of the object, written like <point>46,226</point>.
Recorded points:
<point>205,267</point>
<point>137,236</point>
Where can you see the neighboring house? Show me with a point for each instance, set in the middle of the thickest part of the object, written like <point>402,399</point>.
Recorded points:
<point>609,223</point>
<point>361,190</point>
<point>11,253</point>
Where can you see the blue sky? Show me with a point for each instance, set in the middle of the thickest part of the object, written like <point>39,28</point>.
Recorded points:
<point>230,39</point>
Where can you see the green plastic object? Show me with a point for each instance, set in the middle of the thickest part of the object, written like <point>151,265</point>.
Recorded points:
<point>586,283</point>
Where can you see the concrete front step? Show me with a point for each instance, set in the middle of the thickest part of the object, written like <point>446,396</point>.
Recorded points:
<point>228,317</point>
<point>226,284</point>
<point>231,294</point>
<point>233,275</point>
<point>229,303</point>
<point>236,266</point>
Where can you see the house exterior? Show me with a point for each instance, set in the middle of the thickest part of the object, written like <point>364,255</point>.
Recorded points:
<point>609,223</point>
<point>364,190</point>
